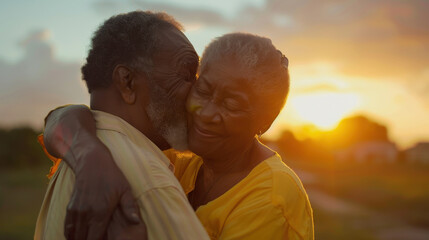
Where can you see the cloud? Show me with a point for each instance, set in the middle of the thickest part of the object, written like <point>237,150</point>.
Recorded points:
<point>186,15</point>
<point>37,83</point>
<point>36,36</point>
<point>182,14</point>
<point>323,87</point>
<point>366,38</point>
<point>380,40</point>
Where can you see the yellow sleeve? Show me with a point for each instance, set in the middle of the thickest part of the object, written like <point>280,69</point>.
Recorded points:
<point>291,197</point>
<point>171,155</point>
<point>180,160</point>
<point>254,221</point>
<point>278,212</point>
<point>55,161</point>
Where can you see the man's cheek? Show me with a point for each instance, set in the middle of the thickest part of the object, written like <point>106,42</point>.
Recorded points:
<point>182,92</point>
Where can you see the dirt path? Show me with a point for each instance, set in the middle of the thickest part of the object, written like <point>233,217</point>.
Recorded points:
<point>384,227</point>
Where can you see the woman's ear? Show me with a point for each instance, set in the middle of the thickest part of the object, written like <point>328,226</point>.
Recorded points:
<point>266,120</point>
<point>265,128</point>
<point>125,81</point>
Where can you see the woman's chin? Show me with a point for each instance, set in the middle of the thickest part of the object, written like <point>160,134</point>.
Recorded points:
<point>195,147</point>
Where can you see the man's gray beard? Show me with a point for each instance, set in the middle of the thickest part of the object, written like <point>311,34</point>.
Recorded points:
<point>170,124</point>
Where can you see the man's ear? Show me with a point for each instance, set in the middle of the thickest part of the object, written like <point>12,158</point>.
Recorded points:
<point>125,81</point>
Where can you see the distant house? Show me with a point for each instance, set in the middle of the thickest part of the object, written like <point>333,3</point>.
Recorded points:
<point>372,151</point>
<point>418,153</point>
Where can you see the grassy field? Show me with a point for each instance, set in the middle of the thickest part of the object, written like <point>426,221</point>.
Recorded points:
<point>383,197</point>
<point>393,196</point>
<point>21,195</point>
<point>333,226</point>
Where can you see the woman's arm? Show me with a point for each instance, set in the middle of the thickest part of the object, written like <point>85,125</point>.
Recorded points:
<point>100,186</point>
<point>67,127</point>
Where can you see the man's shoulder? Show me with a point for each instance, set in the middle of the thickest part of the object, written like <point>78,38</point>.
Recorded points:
<point>128,149</point>
<point>143,164</point>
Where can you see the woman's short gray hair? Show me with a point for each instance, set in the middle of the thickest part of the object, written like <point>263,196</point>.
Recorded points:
<point>266,67</point>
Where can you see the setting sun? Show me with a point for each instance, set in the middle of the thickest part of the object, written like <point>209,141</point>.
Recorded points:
<point>324,109</point>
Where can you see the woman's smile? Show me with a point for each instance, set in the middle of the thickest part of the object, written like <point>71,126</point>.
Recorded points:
<point>203,133</point>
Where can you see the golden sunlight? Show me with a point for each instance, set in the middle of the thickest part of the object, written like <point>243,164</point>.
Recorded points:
<point>324,109</point>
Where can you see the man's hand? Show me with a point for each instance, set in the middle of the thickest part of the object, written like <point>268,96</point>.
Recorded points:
<point>100,188</point>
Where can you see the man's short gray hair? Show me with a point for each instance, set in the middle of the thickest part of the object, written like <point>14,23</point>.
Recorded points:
<point>128,38</point>
<point>266,67</point>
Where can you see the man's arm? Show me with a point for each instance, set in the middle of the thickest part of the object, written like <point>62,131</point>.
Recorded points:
<point>70,134</point>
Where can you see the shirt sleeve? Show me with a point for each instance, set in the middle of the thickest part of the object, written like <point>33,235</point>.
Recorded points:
<point>181,161</point>
<point>255,221</point>
<point>53,110</point>
<point>278,212</point>
<point>289,195</point>
<point>259,220</point>
<point>171,218</point>
<point>55,161</point>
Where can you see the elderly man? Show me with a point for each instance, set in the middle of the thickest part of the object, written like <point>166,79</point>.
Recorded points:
<point>138,72</point>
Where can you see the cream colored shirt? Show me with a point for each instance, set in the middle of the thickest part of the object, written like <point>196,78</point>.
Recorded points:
<point>163,204</point>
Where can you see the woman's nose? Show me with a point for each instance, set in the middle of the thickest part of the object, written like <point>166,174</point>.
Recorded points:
<point>209,112</point>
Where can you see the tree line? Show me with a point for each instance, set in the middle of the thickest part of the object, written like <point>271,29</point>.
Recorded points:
<point>19,148</point>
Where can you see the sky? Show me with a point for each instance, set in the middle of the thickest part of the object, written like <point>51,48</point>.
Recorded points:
<point>346,57</point>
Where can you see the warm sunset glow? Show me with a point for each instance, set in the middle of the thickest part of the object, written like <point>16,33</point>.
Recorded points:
<point>324,109</point>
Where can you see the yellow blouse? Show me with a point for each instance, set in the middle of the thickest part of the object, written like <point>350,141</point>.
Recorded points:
<point>270,203</point>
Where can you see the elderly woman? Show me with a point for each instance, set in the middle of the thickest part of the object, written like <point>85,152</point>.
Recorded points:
<point>239,188</point>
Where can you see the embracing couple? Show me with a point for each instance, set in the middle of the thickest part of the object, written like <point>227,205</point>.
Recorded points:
<point>122,175</point>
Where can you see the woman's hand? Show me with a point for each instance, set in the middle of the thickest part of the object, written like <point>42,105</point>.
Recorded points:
<point>100,187</point>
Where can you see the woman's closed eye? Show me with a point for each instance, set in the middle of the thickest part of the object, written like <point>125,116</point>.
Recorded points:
<point>232,105</point>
